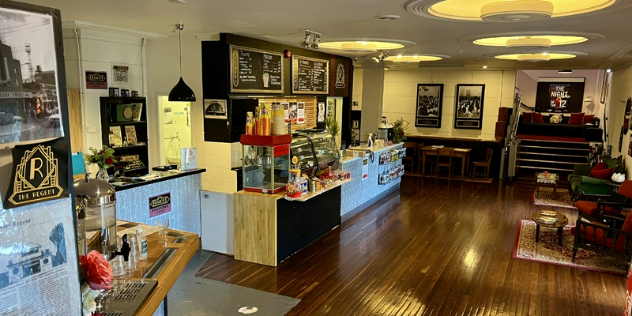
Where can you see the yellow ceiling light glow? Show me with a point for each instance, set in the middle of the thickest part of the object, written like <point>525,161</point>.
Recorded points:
<point>471,9</point>
<point>359,47</point>
<point>536,57</point>
<point>412,58</point>
<point>507,41</point>
<point>375,45</point>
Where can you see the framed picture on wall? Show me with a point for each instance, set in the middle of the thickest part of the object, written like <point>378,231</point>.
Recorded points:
<point>468,111</point>
<point>29,100</point>
<point>429,105</point>
<point>215,109</point>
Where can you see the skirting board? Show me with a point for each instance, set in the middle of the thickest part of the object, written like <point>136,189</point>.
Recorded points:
<point>368,203</point>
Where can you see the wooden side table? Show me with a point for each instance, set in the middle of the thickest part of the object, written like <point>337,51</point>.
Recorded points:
<point>561,222</point>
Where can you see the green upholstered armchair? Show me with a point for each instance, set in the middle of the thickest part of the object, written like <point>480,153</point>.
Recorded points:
<point>580,183</point>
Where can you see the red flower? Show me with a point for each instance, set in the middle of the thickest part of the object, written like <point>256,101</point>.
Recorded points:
<point>96,270</point>
<point>109,161</point>
<point>101,152</point>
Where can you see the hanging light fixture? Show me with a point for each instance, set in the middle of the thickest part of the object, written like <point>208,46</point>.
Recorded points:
<point>181,92</point>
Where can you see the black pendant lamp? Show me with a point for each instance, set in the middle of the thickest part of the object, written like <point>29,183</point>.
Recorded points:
<point>181,92</point>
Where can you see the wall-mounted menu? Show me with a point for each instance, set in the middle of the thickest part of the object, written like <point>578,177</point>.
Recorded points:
<point>255,70</point>
<point>310,75</point>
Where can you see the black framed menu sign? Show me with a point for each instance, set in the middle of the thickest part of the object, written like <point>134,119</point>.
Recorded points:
<point>310,75</point>
<point>255,70</point>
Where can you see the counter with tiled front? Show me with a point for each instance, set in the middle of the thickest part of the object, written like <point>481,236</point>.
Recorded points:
<point>182,188</point>
<point>361,193</point>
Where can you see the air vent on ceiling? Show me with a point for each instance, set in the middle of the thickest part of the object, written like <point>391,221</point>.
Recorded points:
<point>517,11</point>
<point>178,1</point>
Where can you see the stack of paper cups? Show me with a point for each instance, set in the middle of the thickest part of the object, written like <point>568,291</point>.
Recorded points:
<point>278,120</point>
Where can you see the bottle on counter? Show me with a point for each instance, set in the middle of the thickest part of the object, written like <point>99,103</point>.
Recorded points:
<point>142,243</point>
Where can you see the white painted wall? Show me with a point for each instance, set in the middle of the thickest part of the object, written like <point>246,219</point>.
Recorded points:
<point>358,74</point>
<point>592,86</point>
<point>400,94</point>
<point>97,50</point>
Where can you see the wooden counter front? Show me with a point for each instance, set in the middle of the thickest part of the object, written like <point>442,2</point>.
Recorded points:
<point>163,263</point>
<point>256,227</point>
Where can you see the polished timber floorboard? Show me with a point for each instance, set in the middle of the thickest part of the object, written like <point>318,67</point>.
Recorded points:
<point>431,249</point>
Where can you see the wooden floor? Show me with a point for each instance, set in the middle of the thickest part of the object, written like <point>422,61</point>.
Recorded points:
<point>431,249</point>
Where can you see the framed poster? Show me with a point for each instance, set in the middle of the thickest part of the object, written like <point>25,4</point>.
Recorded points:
<point>121,74</point>
<point>429,105</point>
<point>215,109</point>
<point>321,112</point>
<point>468,111</point>
<point>96,79</point>
<point>29,99</point>
<point>556,95</point>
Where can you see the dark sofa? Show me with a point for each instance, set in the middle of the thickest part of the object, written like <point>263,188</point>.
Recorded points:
<point>563,129</point>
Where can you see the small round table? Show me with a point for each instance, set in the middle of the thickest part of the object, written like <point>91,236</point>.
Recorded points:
<point>561,222</point>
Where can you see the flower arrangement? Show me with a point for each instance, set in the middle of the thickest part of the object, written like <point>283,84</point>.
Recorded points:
<point>96,276</point>
<point>399,128</point>
<point>103,158</point>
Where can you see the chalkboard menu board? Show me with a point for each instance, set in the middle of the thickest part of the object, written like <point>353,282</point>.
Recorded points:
<point>255,70</point>
<point>310,75</point>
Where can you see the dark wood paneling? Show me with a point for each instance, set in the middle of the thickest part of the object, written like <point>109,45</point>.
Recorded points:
<point>434,249</point>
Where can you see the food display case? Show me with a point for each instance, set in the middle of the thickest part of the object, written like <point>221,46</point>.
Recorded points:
<point>315,149</point>
<point>266,163</point>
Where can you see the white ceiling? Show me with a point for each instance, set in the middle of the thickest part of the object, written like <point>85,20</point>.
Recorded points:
<point>282,21</point>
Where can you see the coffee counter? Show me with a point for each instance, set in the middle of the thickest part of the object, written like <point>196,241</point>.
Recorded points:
<point>183,190</point>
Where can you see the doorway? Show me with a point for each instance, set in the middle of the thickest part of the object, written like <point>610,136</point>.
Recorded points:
<point>174,129</point>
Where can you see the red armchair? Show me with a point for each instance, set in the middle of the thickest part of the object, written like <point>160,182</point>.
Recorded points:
<point>605,240</point>
<point>606,205</point>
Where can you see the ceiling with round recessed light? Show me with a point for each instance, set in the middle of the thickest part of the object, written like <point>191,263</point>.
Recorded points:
<point>415,58</point>
<point>354,21</point>
<point>506,11</point>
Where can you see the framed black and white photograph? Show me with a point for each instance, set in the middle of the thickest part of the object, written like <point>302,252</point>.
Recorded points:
<point>355,134</point>
<point>215,109</point>
<point>468,112</point>
<point>356,124</point>
<point>29,93</point>
<point>429,105</point>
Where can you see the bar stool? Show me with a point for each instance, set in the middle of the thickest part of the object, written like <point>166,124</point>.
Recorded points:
<point>411,155</point>
<point>420,153</point>
<point>444,160</point>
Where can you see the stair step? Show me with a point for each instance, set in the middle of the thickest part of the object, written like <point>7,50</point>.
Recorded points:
<point>555,148</point>
<point>547,154</point>
<point>551,161</point>
<point>553,141</point>
<point>540,168</point>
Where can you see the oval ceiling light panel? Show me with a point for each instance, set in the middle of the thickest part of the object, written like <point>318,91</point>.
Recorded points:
<point>506,11</point>
<point>517,11</point>
<point>359,47</point>
<point>539,57</point>
<point>414,58</point>
<point>526,41</point>
<point>529,42</point>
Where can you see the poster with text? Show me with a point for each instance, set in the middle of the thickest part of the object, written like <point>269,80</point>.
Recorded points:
<point>301,113</point>
<point>560,94</point>
<point>38,260</point>
<point>365,169</point>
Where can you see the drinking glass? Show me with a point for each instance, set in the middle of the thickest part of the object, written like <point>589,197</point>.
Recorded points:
<point>163,227</point>
<point>133,255</point>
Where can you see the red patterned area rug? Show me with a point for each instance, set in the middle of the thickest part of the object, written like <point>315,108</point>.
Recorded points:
<point>546,197</point>
<point>548,251</point>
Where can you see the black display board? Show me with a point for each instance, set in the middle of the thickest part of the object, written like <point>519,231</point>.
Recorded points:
<point>255,71</point>
<point>310,75</point>
<point>560,96</point>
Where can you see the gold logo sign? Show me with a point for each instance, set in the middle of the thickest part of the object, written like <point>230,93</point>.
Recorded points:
<point>36,177</point>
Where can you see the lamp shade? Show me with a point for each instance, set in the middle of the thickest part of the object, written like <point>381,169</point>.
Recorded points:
<point>181,93</point>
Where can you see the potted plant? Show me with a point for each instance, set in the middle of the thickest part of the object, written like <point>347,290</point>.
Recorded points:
<point>399,128</point>
<point>103,158</point>
<point>332,128</point>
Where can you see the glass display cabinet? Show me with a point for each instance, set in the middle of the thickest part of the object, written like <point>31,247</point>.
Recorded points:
<point>266,163</point>
<point>315,149</point>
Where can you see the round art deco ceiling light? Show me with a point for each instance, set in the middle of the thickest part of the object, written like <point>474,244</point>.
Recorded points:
<point>415,58</point>
<point>506,10</point>
<point>530,41</point>
<point>538,57</point>
<point>366,46</point>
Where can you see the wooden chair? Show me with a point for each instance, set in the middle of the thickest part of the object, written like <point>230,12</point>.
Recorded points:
<point>409,160</point>
<point>605,240</point>
<point>420,159</point>
<point>444,159</point>
<point>483,164</point>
